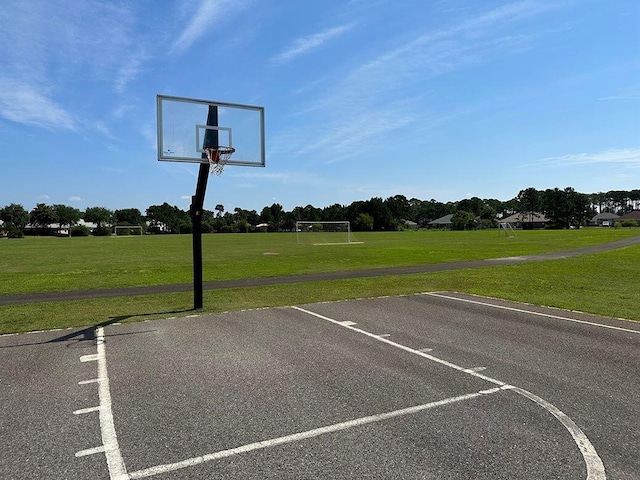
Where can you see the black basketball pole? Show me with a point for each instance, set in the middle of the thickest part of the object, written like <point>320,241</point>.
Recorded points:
<point>197,209</point>
<point>197,204</point>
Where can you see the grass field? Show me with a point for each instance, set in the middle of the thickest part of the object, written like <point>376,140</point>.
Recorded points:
<point>604,284</point>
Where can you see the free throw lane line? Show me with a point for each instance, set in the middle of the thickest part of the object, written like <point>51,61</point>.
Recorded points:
<point>595,467</point>
<point>117,469</point>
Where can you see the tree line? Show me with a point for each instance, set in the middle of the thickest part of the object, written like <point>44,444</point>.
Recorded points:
<point>564,208</point>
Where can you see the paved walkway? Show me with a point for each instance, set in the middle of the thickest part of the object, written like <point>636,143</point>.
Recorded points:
<point>16,299</point>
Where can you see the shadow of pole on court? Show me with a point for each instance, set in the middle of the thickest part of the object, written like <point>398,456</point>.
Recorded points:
<point>88,334</point>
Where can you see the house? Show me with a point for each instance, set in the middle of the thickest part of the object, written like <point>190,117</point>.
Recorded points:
<point>442,222</point>
<point>632,215</point>
<point>56,229</point>
<point>526,221</point>
<point>604,219</point>
<point>158,227</point>
<point>410,224</point>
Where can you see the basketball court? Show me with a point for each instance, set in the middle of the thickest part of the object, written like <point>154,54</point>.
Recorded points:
<point>428,386</point>
<point>436,385</point>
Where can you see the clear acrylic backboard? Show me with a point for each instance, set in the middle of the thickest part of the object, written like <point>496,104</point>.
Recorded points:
<point>187,126</point>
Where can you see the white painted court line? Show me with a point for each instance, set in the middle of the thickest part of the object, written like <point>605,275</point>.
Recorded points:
<point>90,451</point>
<point>117,469</point>
<point>110,447</point>
<point>296,437</point>
<point>595,467</point>
<point>423,352</point>
<point>87,410</point>
<point>87,382</point>
<point>539,314</point>
<point>475,369</point>
<point>89,358</point>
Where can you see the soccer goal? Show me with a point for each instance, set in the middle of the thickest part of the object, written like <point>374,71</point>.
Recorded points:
<point>324,233</point>
<point>127,230</point>
<point>507,229</point>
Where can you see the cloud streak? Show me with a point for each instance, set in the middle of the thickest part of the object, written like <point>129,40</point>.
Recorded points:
<point>205,19</point>
<point>305,45</point>
<point>364,102</point>
<point>48,46</point>
<point>635,95</point>
<point>27,105</point>
<point>629,157</point>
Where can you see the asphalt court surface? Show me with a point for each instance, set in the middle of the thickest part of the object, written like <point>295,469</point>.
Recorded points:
<point>423,386</point>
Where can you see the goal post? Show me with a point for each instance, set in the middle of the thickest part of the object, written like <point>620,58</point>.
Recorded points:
<point>507,229</point>
<point>324,233</point>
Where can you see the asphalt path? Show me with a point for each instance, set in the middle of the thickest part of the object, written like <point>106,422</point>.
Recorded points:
<point>429,386</point>
<point>15,299</point>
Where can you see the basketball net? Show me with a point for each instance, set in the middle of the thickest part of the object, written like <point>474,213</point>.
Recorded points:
<point>218,158</point>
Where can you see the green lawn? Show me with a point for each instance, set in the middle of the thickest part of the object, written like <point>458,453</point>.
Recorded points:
<point>603,284</point>
<point>54,264</point>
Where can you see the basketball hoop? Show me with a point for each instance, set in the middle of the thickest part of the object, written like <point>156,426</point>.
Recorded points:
<point>218,157</point>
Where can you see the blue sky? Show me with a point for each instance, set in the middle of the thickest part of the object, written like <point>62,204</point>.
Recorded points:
<point>436,100</point>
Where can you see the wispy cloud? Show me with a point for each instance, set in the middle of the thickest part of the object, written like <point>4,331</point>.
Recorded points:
<point>47,46</point>
<point>364,102</point>
<point>27,104</point>
<point>204,19</point>
<point>288,177</point>
<point>130,69</point>
<point>632,95</point>
<point>75,199</point>
<point>251,178</point>
<point>304,45</point>
<point>428,55</point>
<point>629,157</point>
<point>104,130</point>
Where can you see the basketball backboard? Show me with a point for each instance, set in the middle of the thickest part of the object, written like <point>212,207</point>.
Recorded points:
<point>186,126</point>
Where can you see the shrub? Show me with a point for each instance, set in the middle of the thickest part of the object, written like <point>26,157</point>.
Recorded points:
<point>627,223</point>
<point>363,223</point>
<point>13,232</point>
<point>80,231</point>
<point>228,229</point>
<point>102,231</point>
<point>185,227</point>
<point>462,220</point>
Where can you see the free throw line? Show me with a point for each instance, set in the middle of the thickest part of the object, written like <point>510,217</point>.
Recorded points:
<point>296,437</point>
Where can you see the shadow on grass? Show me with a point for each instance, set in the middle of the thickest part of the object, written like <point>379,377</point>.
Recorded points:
<point>86,337</point>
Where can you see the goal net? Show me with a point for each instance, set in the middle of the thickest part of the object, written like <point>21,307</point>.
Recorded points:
<point>507,229</point>
<point>324,233</point>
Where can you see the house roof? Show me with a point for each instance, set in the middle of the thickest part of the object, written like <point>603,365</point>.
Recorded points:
<point>525,217</point>
<point>605,216</point>
<point>446,220</point>
<point>633,215</point>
